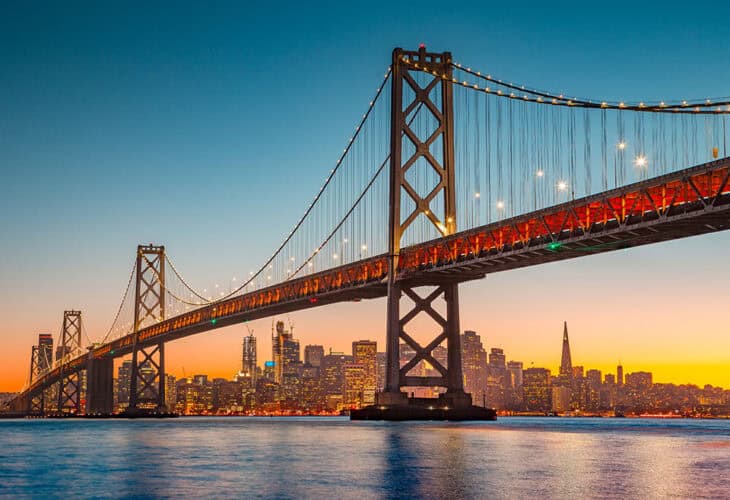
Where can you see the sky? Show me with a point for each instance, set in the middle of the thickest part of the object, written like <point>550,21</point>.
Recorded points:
<point>208,128</point>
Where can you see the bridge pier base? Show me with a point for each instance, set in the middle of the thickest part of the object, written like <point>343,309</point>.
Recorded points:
<point>99,386</point>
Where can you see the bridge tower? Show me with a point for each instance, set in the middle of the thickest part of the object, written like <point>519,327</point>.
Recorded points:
<point>36,402</point>
<point>147,388</point>
<point>437,206</point>
<point>69,385</point>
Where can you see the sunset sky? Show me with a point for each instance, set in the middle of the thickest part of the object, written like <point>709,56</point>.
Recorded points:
<point>209,129</point>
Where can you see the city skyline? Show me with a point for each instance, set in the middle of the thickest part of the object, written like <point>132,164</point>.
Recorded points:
<point>209,141</point>
<point>325,382</point>
<point>606,367</point>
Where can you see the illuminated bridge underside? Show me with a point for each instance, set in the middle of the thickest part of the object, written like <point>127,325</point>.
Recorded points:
<point>690,202</point>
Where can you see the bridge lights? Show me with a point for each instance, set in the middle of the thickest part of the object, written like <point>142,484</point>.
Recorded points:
<point>477,195</point>
<point>540,173</point>
<point>562,186</point>
<point>500,204</point>
<point>621,146</point>
<point>334,256</point>
<point>641,161</point>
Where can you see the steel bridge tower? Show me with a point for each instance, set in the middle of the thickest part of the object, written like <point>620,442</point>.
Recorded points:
<point>69,385</point>
<point>442,218</point>
<point>147,388</point>
<point>36,402</point>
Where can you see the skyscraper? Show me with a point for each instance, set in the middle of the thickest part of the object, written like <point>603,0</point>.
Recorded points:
<point>364,353</point>
<point>566,365</point>
<point>497,378</point>
<point>313,355</point>
<point>474,366</point>
<point>124,380</point>
<point>285,350</point>
<point>619,375</point>
<point>536,389</point>
<point>248,360</point>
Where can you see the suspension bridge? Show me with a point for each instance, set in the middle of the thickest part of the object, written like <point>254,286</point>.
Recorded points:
<point>451,174</point>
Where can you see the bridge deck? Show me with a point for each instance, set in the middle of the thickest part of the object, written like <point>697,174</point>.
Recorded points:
<point>690,202</point>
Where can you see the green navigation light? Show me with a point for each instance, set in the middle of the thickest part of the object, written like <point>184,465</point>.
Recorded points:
<point>214,321</point>
<point>554,245</point>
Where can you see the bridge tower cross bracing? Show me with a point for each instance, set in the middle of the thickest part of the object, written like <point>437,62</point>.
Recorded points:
<point>147,386</point>
<point>443,219</point>
<point>69,385</point>
<point>36,402</point>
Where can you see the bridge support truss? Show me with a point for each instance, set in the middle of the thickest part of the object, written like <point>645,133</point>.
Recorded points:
<point>147,389</point>
<point>36,402</point>
<point>439,162</point>
<point>69,386</point>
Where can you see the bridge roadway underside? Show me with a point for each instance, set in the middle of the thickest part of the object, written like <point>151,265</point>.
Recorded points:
<point>691,202</point>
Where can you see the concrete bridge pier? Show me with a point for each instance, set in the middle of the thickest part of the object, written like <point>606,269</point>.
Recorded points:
<point>99,386</point>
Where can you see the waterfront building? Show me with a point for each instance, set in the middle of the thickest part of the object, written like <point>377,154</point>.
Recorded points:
<point>474,366</point>
<point>498,379</point>
<point>561,398</point>
<point>170,392</point>
<point>513,397</point>
<point>124,380</point>
<point>227,396</point>
<point>593,390</point>
<point>381,360</point>
<point>364,353</point>
<point>536,389</point>
<point>332,373</point>
<point>355,380</point>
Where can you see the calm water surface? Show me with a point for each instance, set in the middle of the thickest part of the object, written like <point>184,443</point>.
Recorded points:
<point>333,457</point>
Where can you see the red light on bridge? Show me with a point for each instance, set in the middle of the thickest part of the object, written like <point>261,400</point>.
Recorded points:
<point>313,300</point>
<point>421,45</point>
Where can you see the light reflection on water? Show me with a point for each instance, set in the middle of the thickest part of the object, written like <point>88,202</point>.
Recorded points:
<point>333,457</point>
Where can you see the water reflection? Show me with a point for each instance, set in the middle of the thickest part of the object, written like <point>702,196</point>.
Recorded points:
<point>314,458</point>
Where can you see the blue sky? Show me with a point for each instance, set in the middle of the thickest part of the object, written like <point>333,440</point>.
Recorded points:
<point>209,127</point>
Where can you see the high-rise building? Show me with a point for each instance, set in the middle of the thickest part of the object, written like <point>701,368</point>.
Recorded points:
<point>170,392</point>
<point>382,360</point>
<point>593,390</point>
<point>364,353</point>
<point>313,355</point>
<point>639,379</point>
<point>515,369</point>
<point>124,381</point>
<point>45,351</point>
<point>498,379</point>
<point>561,398</point>
<point>285,350</point>
<point>536,389</point>
<point>248,359</point>
<point>332,373</point>
<point>513,398</point>
<point>566,365</point>
<point>474,366</point>
<point>619,375</point>
<point>354,385</point>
